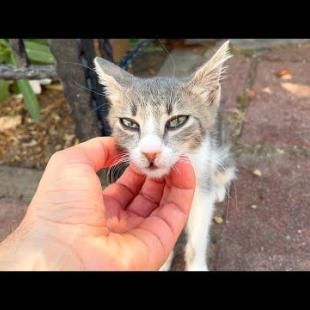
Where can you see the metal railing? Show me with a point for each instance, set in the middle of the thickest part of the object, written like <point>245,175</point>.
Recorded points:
<point>23,69</point>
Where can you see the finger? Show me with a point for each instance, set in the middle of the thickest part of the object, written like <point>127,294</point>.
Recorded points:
<point>148,198</point>
<point>100,152</point>
<point>181,178</point>
<point>182,175</point>
<point>126,187</point>
<point>161,229</point>
<point>165,195</point>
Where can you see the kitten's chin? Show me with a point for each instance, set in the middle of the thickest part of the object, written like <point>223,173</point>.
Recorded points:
<point>155,173</point>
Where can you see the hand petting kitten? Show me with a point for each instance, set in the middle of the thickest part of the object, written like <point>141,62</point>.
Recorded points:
<point>71,224</point>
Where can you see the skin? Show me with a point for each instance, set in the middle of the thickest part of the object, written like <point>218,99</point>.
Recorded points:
<point>71,224</point>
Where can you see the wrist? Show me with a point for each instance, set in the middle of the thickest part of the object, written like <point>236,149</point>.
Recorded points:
<point>16,253</point>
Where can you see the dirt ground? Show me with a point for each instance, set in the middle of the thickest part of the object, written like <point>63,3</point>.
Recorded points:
<point>30,144</point>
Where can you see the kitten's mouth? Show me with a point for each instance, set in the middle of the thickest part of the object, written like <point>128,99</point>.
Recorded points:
<point>155,171</point>
<point>152,166</point>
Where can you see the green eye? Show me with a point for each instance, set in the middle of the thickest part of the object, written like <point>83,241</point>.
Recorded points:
<point>177,121</point>
<point>129,123</point>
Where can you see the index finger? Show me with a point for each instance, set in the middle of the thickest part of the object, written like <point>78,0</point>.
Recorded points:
<point>166,222</point>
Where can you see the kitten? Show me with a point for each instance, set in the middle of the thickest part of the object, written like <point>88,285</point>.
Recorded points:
<point>157,120</point>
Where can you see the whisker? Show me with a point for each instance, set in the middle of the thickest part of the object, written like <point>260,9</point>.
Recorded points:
<point>114,170</point>
<point>236,197</point>
<point>169,56</point>
<point>99,107</point>
<point>120,159</point>
<point>79,64</point>
<point>228,203</point>
<point>84,87</point>
<point>219,163</point>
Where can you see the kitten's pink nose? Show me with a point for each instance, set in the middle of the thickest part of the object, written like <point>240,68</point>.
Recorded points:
<point>151,156</point>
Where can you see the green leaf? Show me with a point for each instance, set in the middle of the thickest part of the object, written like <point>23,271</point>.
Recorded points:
<point>132,42</point>
<point>37,50</point>
<point>38,53</point>
<point>5,53</point>
<point>4,90</point>
<point>14,88</point>
<point>4,42</point>
<point>40,41</point>
<point>154,48</point>
<point>5,56</point>
<point>30,99</point>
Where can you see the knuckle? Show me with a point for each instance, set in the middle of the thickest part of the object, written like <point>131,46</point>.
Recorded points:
<point>57,156</point>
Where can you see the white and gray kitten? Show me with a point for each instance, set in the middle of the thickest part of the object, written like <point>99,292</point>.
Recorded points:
<point>158,120</point>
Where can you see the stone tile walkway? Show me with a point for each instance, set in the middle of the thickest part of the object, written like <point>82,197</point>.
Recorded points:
<point>267,218</point>
<point>268,223</point>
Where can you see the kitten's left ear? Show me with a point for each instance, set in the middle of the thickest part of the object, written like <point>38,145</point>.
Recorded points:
<point>205,81</point>
<point>112,77</point>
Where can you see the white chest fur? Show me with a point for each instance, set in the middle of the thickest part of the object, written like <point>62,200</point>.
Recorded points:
<point>202,161</point>
<point>202,209</point>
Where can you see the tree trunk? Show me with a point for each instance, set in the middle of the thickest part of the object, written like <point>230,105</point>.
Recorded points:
<point>73,76</point>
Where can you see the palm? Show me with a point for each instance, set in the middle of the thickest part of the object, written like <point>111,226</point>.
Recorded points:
<point>128,225</point>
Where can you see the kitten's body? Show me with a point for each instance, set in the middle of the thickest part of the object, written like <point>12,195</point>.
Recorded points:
<point>149,107</point>
<point>214,169</point>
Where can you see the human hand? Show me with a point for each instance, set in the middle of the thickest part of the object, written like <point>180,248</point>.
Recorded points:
<point>71,224</point>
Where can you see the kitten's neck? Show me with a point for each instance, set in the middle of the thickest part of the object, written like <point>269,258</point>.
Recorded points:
<point>201,159</point>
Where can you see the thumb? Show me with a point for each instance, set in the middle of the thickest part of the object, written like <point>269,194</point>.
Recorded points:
<point>100,152</point>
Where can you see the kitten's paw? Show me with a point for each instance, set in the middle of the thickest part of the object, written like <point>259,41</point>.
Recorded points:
<point>197,267</point>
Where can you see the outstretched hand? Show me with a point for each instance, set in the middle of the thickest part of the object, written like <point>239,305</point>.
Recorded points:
<point>72,224</point>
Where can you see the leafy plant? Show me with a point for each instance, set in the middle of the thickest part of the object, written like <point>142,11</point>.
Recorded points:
<point>30,98</point>
<point>5,55</point>
<point>132,42</point>
<point>4,90</point>
<point>38,52</point>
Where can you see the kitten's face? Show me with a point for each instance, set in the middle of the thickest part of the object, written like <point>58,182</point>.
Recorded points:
<point>158,120</point>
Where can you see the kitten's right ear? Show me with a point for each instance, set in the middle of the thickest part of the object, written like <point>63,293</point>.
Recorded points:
<point>115,79</point>
<point>205,81</point>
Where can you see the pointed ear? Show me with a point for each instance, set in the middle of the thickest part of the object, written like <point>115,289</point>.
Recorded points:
<point>115,79</point>
<point>205,81</point>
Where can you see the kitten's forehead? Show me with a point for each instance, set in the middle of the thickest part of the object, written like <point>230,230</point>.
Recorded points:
<point>156,93</point>
<point>158,85</point>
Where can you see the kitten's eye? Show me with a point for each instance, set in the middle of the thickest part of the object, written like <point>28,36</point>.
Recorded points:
<point>177,121</point>
<point>129,123</point>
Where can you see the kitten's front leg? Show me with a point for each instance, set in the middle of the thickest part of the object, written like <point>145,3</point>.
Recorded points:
<point>198,231</point>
